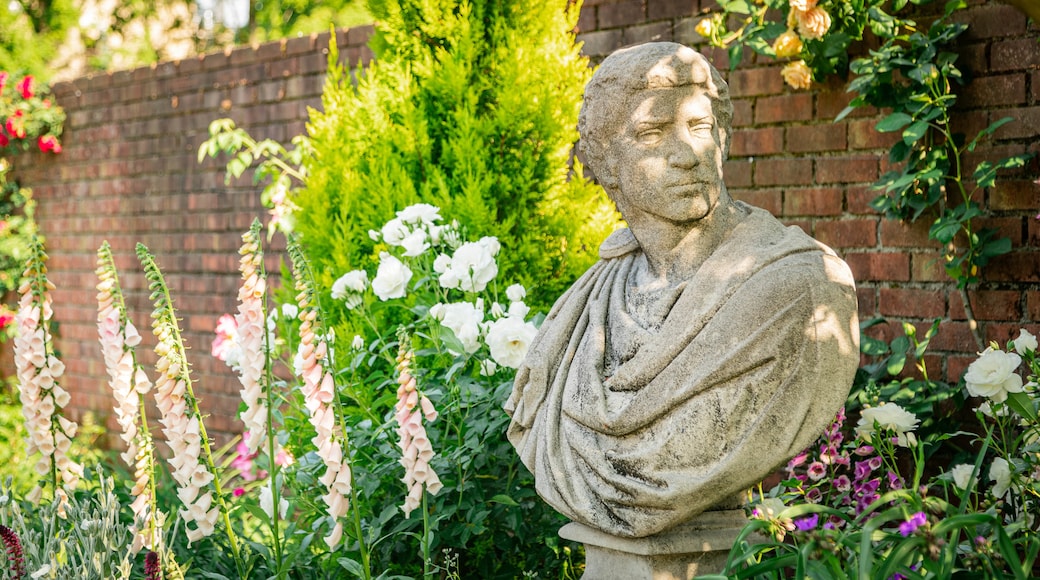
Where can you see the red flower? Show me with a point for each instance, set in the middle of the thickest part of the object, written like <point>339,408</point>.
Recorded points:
<point>49,143</point>
<point>16,125</point>
<point>25,87</point>
<point>4,141</point>
<point>5,319</point>
<point>3,80</point>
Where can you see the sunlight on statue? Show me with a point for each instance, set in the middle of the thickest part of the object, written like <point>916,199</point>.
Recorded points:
<point>708,345</point>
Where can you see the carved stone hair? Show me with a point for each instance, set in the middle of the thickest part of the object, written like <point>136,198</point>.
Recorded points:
<point>653,65</point>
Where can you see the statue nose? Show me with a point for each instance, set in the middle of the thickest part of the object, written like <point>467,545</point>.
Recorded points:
<point>683,154</point>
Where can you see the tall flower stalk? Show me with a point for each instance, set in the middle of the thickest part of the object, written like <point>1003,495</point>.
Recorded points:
<point>38,371</point>
<point>322,401</point>
<point>15,554</point>
<point>255,374</point>
<point>129,384</point>
<point>416,450</point>
<point>191,459</point>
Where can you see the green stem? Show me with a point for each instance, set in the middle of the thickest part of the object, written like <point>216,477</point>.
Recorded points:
<point>427,567</point>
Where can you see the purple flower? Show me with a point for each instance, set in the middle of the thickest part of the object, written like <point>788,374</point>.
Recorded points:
<point>863,469</point>
<point>807,523</point>
<point>910,526</point>
<point>817,470</point>
<point>813,495</point>
<point>864,450</point>
<point>842,483</point>
<point>14,551</point>
<point>797,460</point>
<point>151,566</point>
<point>874,462</point>
<point>894,481</point>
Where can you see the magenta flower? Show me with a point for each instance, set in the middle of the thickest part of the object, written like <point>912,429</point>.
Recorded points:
<point>842,483</point>
<point>25,87</point>
<point>817,470</point>
<point>152,570</point>
<point>15,556</point>
<point>910,526</point>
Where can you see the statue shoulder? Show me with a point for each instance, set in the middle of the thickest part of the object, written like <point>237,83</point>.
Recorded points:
<point>617,244</point>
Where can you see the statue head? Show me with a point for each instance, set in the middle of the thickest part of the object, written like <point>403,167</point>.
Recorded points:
<point>618,87</point>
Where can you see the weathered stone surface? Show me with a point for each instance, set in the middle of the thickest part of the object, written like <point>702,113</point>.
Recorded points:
<point>707,346</point>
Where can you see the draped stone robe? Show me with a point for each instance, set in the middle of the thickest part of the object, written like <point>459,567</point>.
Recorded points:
<point>635,413</point>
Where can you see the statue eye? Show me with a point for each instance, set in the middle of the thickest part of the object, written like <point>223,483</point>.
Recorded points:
<point>700,128</point>
<point>649,135</point>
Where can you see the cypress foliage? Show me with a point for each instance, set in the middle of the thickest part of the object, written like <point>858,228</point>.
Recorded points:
<point>471,106</point>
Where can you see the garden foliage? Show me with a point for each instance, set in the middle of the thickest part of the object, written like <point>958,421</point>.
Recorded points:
<point>470,106</point>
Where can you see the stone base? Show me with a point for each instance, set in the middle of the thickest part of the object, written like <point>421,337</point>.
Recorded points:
<point>698,547</point>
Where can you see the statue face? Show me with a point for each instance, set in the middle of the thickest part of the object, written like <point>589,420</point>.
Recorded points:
<point>667,158</point>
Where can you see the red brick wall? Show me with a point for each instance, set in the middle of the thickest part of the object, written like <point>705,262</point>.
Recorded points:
<point>129,174</point>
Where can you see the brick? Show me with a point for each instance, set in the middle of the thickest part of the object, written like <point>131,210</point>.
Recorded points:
<point>897,234</point>
<point>619,14</point>
<point>953,336</point>
<point>1033,305</point>
<point>866,298</point>
<point>991,20</point>
<point>782,171</point>
<point>988,305</point>
<point>737,172</point>
<point>1006,227</point>
<point>1019,267</point>
<point>770,200</point>
<point>912,302</point>
<point>759,81</point>
<point>849,233</point>
<point>1018,54</point>
<point>600,43</point>
<point>661,9</point>
<point>684,31</point>
<point>757,142</point>
<point>856,169</point>
<point>742,112</point>
<point>652,32</point>
<point>587,19</point>
<point>1034,83</point>
<point>1032,232</point>
<point>1026,122</point>
<point>816,138</point>
<point>812,202</point>
<point>891,267</point>
<point>796,107</point>
<point>830,103</point>
<point>994,91</point>
<point>864,135</point>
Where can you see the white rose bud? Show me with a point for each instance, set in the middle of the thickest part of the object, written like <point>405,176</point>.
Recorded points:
<point>516,293</point>
<point>961,473</point>
<point>518,310</point>
<point>1025,342</point>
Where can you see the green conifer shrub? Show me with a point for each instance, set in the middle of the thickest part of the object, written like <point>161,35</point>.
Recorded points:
<point>470,106</point>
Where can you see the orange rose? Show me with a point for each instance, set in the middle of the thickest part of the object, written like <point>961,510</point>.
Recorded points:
<point>813,23</point>
<point>787,44</point>
<point>797,74</point>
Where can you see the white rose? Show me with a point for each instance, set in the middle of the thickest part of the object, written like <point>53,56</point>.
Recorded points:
<point>435,234</point>
<point>358,343</point>
<point>394,231</point>
<point>993,375</point>
<point>354,281</point>
<point>437,311</point>
<point>891,417</point>
<point>414,244</point>
<point>448,279</point>
<point>420,212</point>
<point>1000,475</point>
<point>492,244</point>
<point>391,278</point>
<point>474,266</point>
<point>1025,342</point>
<point>518,310</point>
<point>961,473</point>
<point>516,293</point>
<point>442,263</point>
<point>463,319</point>
<point>509,338</point>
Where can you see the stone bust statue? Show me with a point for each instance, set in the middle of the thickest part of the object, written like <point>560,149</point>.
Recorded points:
<point>708,345</point>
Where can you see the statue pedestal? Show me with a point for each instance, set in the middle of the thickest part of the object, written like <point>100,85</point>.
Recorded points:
<point>700,546</point>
